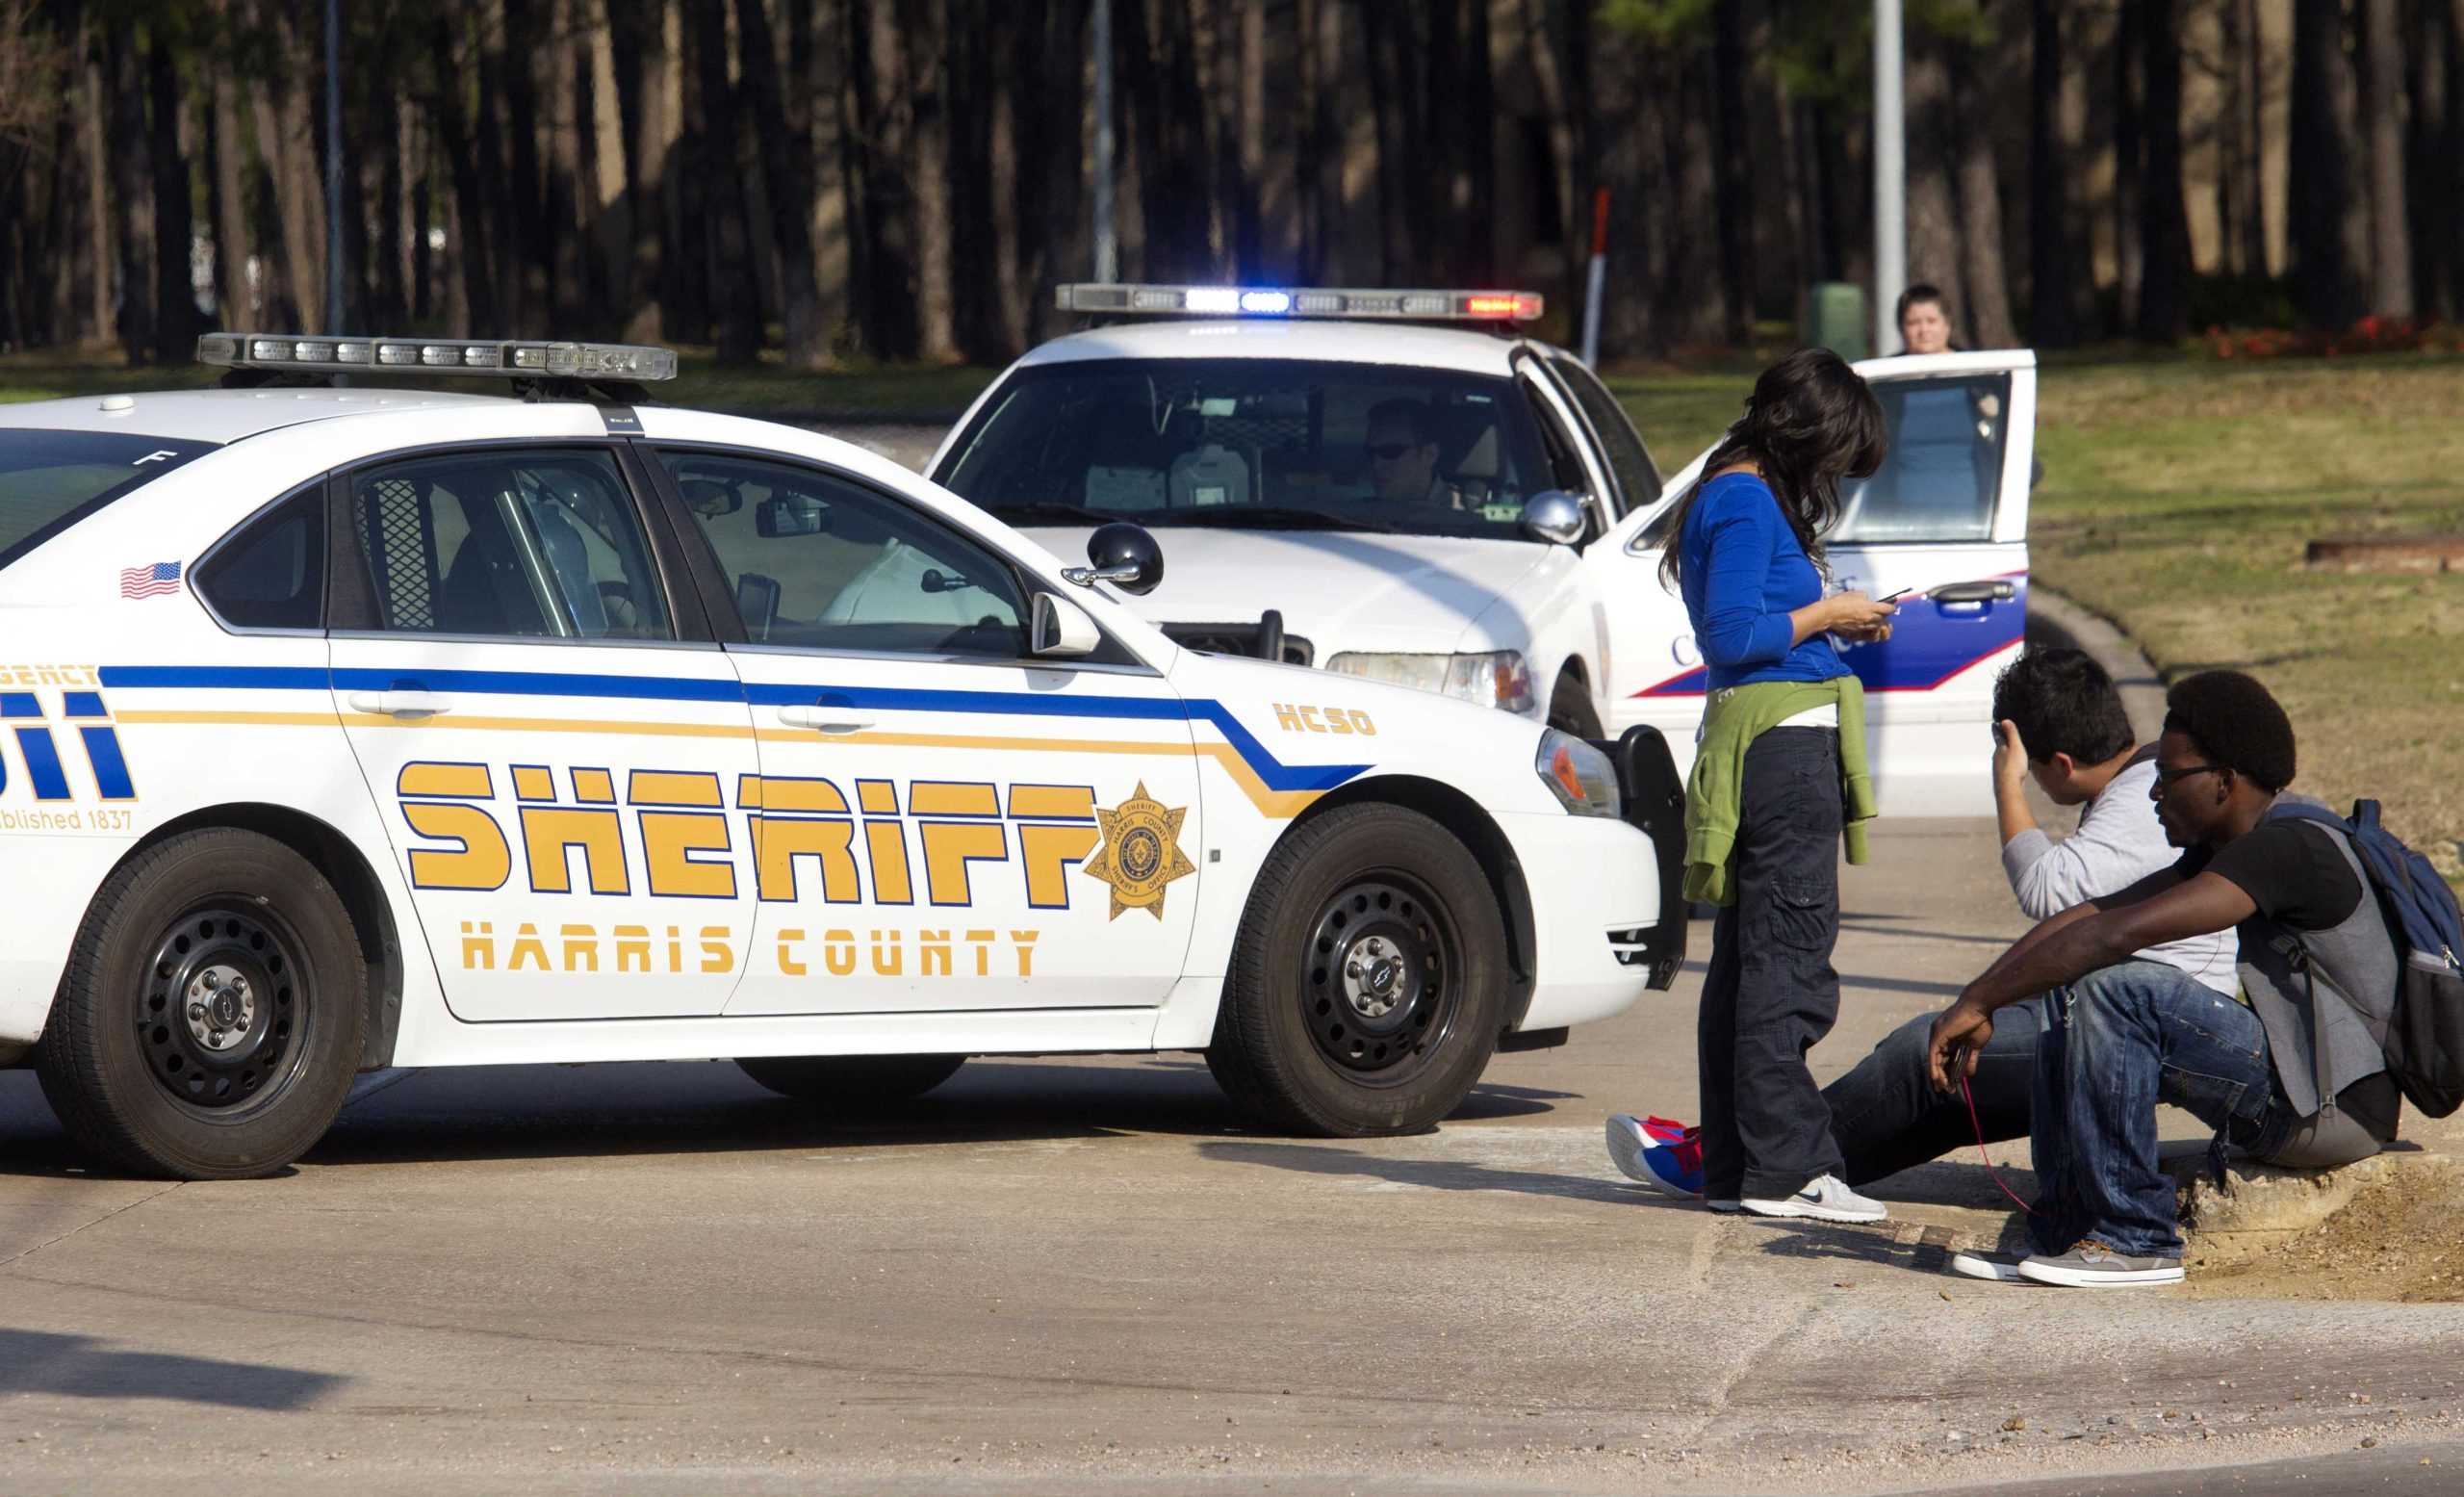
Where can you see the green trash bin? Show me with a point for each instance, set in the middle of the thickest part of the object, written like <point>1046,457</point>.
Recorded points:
<point>1836,319</point>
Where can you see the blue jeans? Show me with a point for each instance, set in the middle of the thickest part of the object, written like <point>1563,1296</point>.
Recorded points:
<point>1887,1117</point>
<point>2117,1043</point>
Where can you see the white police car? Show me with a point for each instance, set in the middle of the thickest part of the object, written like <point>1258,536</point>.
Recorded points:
<point>1470,511</point>
<point>349,728</point>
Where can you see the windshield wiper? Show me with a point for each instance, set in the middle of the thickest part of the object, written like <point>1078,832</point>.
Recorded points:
<point>1050,510</point>
<point>1270,517</point>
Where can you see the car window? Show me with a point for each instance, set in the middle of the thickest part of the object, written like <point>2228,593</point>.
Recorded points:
<point>1254,444</point>
<point>49,481</point>
<point>823,562</point>
<point>271,573</point>
<point>1943,474</point>
<point>525,544</point>
<point>1632,462</point>
<point>1565,460</point>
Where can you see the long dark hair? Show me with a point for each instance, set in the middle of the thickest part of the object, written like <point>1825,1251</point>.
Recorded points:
<point>1811,422</point>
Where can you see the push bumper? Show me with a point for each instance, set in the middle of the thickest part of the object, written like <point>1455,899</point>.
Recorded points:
<point>1653,797</point>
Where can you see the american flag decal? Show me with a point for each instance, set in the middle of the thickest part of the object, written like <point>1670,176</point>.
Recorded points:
<point>162,576</point>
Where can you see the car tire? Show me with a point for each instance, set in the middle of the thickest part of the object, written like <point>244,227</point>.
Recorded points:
<point>1367,977</point>
<point>1570,709</point>
<point>213,1011</point>
<point>851,1080</point>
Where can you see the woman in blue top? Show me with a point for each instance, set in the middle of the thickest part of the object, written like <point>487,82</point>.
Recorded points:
<point>1747,555</point>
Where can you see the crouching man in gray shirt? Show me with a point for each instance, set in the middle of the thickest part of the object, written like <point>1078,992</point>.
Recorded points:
<point>2058,719</point>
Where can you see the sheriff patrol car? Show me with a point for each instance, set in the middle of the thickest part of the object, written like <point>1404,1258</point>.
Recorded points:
<point>1469,511</point>
<point>353,728</point>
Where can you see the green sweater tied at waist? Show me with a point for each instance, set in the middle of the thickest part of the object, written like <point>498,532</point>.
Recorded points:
<point>1733,719</point>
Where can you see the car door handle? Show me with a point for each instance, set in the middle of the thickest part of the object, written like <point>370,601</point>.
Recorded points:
<point>1996,590</point>
<point>823,719</point>
<point>400,703</point>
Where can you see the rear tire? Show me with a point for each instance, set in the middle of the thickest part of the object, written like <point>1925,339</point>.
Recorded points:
<point>211,1018</point>
<point>836,1081</point>
<point>1366,979</point>
<point>1570,709</point>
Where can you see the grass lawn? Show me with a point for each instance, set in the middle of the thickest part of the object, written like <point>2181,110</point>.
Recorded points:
<point>2177,497</point>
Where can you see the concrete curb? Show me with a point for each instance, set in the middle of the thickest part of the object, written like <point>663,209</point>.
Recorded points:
<point>2056,619</point>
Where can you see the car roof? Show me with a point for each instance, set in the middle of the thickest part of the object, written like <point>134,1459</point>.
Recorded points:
<point>223,415</point>
<point>1464,350</point>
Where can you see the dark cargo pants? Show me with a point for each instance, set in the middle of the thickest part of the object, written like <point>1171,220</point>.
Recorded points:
<point>1771,991</point>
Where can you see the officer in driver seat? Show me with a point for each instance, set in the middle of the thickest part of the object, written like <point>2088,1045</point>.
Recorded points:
<point>1403,455</point>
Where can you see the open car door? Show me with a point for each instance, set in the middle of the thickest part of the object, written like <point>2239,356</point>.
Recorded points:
<point>1946,517</point>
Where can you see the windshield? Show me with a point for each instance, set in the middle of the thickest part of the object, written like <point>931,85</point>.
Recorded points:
<point>1261,444</point>
<point>49,481</point>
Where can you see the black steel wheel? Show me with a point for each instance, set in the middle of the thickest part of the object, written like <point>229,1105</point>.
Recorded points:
<point>1367,979</point>
<point>212,1015</point>
<point>1381,978</point>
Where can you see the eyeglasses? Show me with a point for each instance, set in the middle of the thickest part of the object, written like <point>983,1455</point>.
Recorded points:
<point>2165,778</point>
<point>1391,452</point>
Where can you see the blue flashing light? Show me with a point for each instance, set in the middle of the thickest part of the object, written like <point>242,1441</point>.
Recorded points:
<point>1274,301</point>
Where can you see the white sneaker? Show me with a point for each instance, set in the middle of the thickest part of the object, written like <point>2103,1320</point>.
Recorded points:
<point>2001,1268</point>
<point>1825,1198</point>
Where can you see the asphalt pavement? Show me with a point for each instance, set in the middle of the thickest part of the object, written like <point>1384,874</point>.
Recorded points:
<point>1083,1275</point>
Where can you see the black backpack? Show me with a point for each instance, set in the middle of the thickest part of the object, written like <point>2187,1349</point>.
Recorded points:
<point>2425,1033</point>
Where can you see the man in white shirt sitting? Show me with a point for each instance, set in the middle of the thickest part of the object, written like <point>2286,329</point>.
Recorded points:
<point>2059,720</point>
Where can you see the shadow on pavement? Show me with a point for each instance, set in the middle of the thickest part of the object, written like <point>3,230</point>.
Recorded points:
<point>684,1107</point>
<point>34,1361</point>
<point>1434,1174</point>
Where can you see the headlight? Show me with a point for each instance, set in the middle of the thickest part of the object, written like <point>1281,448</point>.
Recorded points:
<point>1580,776</point>
<point>1498,680</point>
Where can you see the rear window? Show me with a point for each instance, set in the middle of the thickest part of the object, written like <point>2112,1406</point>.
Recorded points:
<point>49,481</point>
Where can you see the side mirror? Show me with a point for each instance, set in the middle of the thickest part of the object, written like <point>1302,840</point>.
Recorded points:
<point>1060,629</point>
<point>790,514</point>
<point>1123,554</point>
<point>1555,516</point>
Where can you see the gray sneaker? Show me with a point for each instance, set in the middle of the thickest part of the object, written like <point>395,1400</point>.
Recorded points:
<point>2091,1265</point>
<point>1826,1197</point>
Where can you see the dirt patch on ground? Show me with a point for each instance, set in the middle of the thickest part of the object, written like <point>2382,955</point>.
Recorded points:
<point>2397,1239</point>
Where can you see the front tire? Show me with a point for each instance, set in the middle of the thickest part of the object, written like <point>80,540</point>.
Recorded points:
<point>211,1013</point>
<point>847,1081</point>
<point>1364,996</point>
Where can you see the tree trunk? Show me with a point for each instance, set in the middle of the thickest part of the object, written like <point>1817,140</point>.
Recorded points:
<point>2164,313</point>
<point>2129,159</point>
<point>784,142</point>
<point>2319,196</point>
<point>1731,189</point>
<point>533,227</point>
<point>235,302</point>
<point>1934,241</point>
<point>1987,305</point>
<point>132,279</point>
<point>2426,91</point>
<point>2050,321</point>
<point>470,245</point>
<point>739,304</point>
<point>561,196</point>
<point>2382,116</point>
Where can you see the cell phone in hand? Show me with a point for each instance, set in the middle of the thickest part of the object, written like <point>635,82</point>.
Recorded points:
<point>1895,597</point>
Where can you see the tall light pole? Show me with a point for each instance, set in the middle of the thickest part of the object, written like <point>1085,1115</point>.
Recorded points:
<point>1107,245</point>
<point>1890,177</point>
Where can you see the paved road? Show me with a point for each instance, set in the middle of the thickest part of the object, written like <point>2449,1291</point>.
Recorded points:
<point>1081,1275</point>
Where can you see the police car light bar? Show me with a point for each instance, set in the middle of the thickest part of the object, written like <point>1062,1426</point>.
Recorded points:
<point>517,360</point>
<point>1452,306</point>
